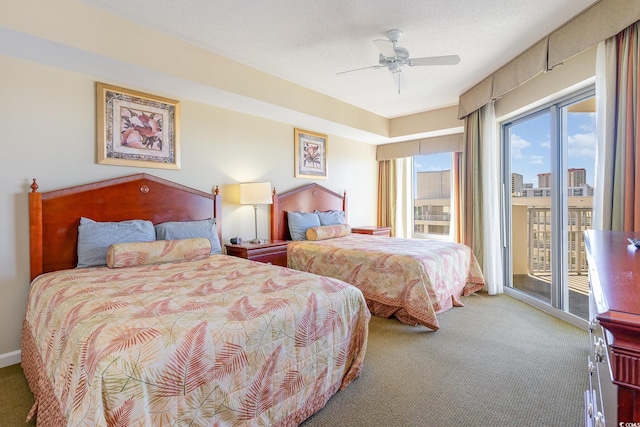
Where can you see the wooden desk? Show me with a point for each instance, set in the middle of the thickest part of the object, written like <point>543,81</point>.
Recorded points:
<point>270,252</point>
<point>614,275</point>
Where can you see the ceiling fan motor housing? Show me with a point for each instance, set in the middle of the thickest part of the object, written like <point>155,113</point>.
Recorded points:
<point>394,64</point>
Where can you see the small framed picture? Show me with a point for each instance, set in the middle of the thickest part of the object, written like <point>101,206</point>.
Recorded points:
<point>310,154</point>
<point>137,129</point>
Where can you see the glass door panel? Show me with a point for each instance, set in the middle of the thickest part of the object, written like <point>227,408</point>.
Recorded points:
<point>578,136</point>
<point>549,158</point>
<point>531,225</point>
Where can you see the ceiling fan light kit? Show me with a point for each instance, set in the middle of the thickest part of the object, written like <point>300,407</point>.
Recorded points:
<point>394,57</point>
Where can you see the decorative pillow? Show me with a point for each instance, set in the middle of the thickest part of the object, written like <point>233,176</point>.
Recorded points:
<point>328,231</point>
<point>190,229</point>
<point>94,238</point>
<point>331,217</point>
<point>144,253</point>
<point>299,222</point>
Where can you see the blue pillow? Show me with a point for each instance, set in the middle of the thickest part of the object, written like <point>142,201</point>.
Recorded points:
<point>94,238</point>
<point>299,222</point>
<point>177,230</point>
<point>331,217</point>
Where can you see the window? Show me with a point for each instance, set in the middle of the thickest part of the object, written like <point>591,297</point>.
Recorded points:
<point>432,196</point>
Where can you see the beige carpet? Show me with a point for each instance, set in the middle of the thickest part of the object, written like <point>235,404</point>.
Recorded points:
<point>495,362</point>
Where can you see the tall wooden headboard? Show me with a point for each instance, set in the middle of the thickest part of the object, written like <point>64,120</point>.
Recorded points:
<point>308,198</point>
<point>54,216</point>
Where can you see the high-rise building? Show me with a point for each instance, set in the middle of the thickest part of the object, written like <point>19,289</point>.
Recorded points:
<point>516,184</point>
<point>576,177</point>
<point>544,180</point>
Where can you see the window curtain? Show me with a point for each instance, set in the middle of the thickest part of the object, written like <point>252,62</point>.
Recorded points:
<point>395,196</point>
<point>471,190</point>
<point>617,189</point>
<point>481,228</point>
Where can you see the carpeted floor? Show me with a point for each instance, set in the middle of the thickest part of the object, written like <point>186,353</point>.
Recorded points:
<point>496,362</point>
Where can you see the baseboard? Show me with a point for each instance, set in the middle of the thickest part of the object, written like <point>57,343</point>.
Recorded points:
<point>8,359</point>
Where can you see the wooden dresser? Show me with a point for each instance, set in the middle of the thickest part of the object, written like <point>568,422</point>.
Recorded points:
<point>614,276</point>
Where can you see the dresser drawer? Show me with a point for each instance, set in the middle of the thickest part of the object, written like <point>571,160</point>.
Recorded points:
<point>275,256</point>
<point>601,400</point>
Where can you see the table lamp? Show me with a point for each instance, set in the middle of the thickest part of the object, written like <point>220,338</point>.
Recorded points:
<point>256,193</point>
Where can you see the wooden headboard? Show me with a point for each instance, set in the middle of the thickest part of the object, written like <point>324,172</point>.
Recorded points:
<point>308,198</point>
<point>54,216</point>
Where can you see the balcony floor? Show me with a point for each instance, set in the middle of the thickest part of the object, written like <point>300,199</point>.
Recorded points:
<point>540,287</point>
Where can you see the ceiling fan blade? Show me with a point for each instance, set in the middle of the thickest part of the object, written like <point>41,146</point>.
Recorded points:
<point>435,60</point>
<point>358,69</point>
<point>385,47</point>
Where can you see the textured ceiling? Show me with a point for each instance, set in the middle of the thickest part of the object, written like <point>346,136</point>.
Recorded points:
<point>309,42</point>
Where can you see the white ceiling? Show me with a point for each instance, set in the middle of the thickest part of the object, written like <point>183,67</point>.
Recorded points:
<point>308,42</point>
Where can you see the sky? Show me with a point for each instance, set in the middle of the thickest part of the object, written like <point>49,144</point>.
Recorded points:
<point>530,148</point>
<point>432,162</point>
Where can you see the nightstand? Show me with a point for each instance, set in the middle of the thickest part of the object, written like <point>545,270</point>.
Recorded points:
<point>374,231</point>
<point>270,252</point>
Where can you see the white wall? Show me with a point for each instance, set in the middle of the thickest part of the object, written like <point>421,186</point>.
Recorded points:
<point>47,117</point>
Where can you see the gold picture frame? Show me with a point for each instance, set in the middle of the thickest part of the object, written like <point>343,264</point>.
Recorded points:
<point>137,129</point>
<point>310,157</point>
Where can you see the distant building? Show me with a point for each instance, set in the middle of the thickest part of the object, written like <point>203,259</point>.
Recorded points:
<point>576,177</point>
<point>516,184</point>
<point>433,185</point>
<point>544,180</point>
<point>432,205</point>
<point>583,190</point>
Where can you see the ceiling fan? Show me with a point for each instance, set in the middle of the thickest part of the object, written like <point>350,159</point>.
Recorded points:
<point>394,57</point>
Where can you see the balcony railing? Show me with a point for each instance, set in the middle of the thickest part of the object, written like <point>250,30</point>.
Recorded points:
<point>432,217</point>
<point>539,240</point>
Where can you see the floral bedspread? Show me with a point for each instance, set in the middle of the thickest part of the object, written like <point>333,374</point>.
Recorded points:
<point>410,279</point>
<point>219,341</point>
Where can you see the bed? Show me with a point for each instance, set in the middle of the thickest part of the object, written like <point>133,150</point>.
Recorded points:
<point>410,279</point>
<point>169,333</point>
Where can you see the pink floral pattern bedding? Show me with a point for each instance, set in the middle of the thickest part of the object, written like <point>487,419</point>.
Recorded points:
<point>410,279</point>
<point>219,341</point>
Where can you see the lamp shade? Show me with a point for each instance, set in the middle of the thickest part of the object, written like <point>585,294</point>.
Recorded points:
<point>255,193</point>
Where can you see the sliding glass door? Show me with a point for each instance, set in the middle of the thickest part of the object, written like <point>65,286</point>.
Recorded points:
<point>548,177</point>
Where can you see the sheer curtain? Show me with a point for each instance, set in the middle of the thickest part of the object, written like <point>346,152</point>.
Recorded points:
<point>491,191</point>
<point>617,189</point>
<point>480,190</point>
<point>395,196</point>
<point>456,199</point>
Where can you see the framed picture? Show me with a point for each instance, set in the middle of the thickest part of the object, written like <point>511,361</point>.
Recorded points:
<point>137,129</point>
<point>310,154</point>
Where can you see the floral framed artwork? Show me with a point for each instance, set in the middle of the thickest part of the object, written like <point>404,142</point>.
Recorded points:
<point>137,129</point>
<point>310,154</point>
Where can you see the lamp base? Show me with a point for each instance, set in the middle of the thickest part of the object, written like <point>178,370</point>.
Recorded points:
<point>256,241</point>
